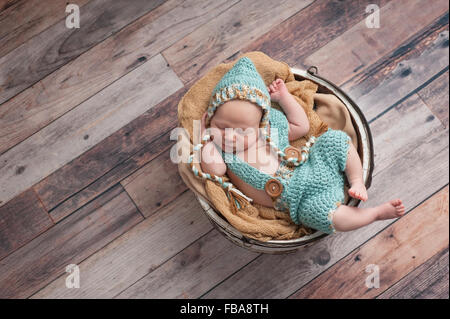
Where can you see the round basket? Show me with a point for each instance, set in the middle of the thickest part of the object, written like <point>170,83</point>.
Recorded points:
<point>365,150</point>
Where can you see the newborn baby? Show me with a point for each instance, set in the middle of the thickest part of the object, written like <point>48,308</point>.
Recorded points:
<point>249,141</point>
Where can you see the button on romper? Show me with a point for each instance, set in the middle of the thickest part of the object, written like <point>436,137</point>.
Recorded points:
<point>312,191</point>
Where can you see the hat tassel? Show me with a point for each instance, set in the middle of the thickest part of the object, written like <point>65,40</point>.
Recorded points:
<point>237,198</point>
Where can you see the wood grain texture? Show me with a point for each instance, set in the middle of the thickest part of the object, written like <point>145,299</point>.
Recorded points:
<point>396,251</point>
<point>291,272</point>
<point>361,46</point>
<point>73,83</point>
<point>58,45</point>
<point>85,126</point>
<point>44,259</point>
<point>111,160</point>
<point>435,95</point>
<point>5,4</point>
<point>401,73</point>
<point>410,49</point>
<point>428,281</point>
<point>140,251</point>
<point>22,219</point>
<point>193,271</point>
<point>216,40</point>
<point>113,176</point>
<point>293,40</point>
<point>28,18</point>
<point>414,123</point>
<point>142,188</point>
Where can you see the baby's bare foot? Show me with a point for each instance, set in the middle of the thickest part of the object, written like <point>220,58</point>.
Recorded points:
<point>391,209</point>
<point>358,191</point>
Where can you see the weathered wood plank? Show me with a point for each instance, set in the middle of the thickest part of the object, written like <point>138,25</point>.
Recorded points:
<point>428,281</point>
<point>44,259</point>
<point>85,126</point>
<point>412,48</point>
<point>28,18</point>
<point>361,46</point>
<point>436,97</point>
<point>140,251</point>
<point>414,123</point>
<point>111,160</point>
<point>101,184</point>
<point>293,40</point>
<point>141,184</point>
<point>121,53</point>
<point>22,219</point>
<point>216,40</point>
<point>396,251</point>
<point>400,75</point>
<point>429,161</point>
<point>5,4</point>
<point>58,45</point>
<point>193,271</point>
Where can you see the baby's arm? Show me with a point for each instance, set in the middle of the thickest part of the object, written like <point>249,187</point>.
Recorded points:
<point>296,116</point>
<point>211,161</point>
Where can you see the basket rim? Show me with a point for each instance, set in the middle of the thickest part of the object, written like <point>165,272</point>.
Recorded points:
<point>364,130</point>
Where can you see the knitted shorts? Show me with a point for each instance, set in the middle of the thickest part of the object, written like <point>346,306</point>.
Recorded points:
<point>322,182</point>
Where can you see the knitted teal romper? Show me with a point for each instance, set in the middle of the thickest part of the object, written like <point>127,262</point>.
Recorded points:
<point>312,191</point>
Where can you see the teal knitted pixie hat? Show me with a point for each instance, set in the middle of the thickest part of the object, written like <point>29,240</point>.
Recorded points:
<point>243,82</point>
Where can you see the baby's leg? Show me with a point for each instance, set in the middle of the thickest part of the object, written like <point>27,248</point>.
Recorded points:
<point>354,172</point>
<point>347,218</point>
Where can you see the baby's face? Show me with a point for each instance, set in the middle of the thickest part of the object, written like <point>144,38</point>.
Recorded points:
<point>243,118</point>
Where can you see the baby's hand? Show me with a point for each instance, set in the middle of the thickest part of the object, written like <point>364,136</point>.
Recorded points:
<point>277,90</point>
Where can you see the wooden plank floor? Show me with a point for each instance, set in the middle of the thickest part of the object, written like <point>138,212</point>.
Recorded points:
<point>85,172</point>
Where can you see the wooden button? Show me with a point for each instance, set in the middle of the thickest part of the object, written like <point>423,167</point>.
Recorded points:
<point>273,187</point>
<point>291,151</point>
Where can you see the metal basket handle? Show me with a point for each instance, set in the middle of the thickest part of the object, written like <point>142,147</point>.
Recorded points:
<point>313,70</point>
